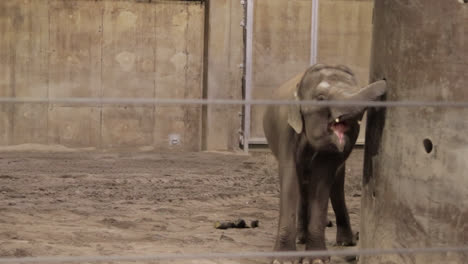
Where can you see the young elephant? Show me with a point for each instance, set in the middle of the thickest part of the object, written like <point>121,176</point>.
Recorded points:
<point>311,144</point>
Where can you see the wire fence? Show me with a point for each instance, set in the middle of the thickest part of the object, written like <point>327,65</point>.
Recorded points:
<point>236,255</point>
<point>170,101</point>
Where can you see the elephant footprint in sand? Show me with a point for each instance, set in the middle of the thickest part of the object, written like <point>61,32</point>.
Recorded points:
<point>311,144</point>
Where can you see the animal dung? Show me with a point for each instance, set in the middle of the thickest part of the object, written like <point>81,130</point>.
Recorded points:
<point>224,225</point>
<point>254,223</point>
<point>239,223</point>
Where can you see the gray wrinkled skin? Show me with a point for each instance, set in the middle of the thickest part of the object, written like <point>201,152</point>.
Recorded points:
<point>311,144</point>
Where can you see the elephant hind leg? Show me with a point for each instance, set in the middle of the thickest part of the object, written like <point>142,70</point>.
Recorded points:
<point>344,234</point>
<point>302,215</point>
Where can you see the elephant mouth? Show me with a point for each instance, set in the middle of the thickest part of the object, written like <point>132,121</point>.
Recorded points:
<point>340,128</point>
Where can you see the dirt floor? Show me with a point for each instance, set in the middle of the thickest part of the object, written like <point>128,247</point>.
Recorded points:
<point>88,203</point>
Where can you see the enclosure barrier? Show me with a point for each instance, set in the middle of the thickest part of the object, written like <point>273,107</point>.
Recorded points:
<point>170,101</point>
<point>419,47</point>
<point>236,255</point>
<point>240,255</point>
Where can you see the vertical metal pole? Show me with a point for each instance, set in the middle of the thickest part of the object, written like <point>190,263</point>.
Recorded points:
<point>248,72</point>
<point>313,32</point>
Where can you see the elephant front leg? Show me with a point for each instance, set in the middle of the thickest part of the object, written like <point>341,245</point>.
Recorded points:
<point>289,197</point>
<point>318,196</point>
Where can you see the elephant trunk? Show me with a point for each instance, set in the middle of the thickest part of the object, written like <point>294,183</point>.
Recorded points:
<point>371,92</point>
<point>347,113</point>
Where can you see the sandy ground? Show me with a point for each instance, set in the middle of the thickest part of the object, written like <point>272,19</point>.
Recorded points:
<point>89,203</point>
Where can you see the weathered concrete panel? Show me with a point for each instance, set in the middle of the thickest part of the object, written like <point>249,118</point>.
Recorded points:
<point>224,49</point>
<point>179,73</point>
<point>128,50</point>
<point>29,124</point>
<point>7,88</point>
<point>128,71</point>
<point>170,121</point>
<point>23,48</point>
<point>99,49</point>
<point>345,33</point>
<point>413,197</point>
<point>23,64</point>
<point>171,52</point>
<point>73,126</point>
<point>194,76</point>
<point>6,39</point>
<point>75,48</point>
<point>74,71</point>
<point>127,126</point>
<point>6,124</point>
<point>281,48</point>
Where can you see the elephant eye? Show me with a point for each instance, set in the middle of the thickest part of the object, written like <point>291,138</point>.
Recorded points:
<point>321,97</point>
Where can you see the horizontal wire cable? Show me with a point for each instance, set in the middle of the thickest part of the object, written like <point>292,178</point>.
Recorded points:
<point>239,255</point>
<point>169,101</point>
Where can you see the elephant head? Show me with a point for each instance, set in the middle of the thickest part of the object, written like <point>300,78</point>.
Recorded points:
<point>330,128</point>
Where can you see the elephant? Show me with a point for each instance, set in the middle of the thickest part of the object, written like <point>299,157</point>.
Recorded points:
<point>311,144</point>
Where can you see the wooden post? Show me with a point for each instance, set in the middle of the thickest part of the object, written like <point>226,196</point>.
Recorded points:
<point>415,186</point>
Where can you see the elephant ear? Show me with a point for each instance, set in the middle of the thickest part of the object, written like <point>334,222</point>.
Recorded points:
<point>295,116</point>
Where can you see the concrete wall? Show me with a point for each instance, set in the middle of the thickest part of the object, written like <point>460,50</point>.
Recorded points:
<point>164,49</point>
<point>101,49</point>
<point>224,53</point>
<point>281,49</point>
<point>345,34</point>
